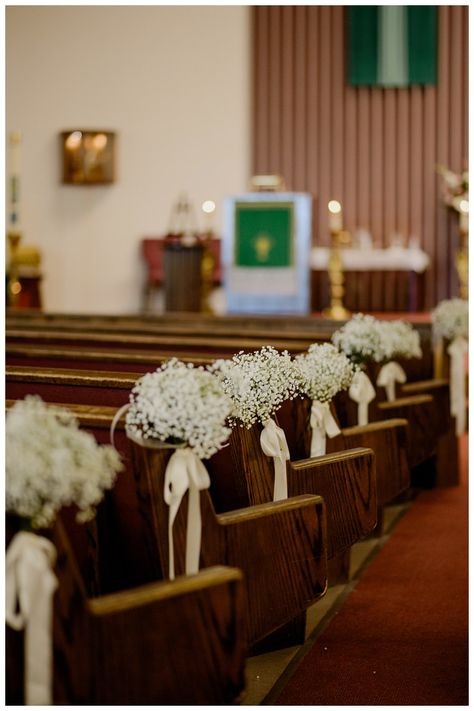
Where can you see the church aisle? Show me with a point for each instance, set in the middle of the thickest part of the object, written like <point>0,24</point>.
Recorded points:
<point>401,636</point>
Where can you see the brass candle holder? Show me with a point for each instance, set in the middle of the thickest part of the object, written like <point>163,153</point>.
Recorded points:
<point>462,257</point>
<point>336,310</point>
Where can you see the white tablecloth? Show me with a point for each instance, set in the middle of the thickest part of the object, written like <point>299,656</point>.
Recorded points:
<point>390,259</point>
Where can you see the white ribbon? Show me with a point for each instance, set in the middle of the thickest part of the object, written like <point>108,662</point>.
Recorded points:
<point>274,444</point>
<point>457,349</point>
<point>362,392</point>
<point>185,471</point>
<point>29,589</point>
<point>391,373</point>
<point>322,423</point>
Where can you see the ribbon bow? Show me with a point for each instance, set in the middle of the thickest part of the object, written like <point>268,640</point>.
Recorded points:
<point>30,585</point>
<point>185,471</point>
<point>390,373</point>
<point>362,392</point>
<point>457,350</point>
<point>274,444</point>
<point>322,423</point>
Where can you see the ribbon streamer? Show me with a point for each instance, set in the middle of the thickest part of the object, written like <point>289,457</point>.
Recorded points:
<point>457,350</point>
<point>322,423</point>
<point>185,471</point>
<point>29,589</point>
<point>274,444</point>
<point>391,373</point>
<point>362,392</point>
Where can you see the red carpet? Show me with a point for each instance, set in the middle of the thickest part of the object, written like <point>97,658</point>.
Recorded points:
<point>401,636</point>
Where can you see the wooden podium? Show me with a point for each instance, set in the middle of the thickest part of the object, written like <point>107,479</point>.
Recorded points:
<point>182,275</point>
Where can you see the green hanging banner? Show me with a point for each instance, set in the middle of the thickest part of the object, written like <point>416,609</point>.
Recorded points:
<point>264,234</point>
<point>392,45</point>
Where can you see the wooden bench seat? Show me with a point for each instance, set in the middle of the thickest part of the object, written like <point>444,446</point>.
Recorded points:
<point>298,524</point>
<point>171,642</point>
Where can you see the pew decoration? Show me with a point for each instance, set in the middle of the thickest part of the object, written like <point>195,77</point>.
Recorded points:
<point>258,383</point>
<point>399,340</point>
<point>450,323</point>
<point>365,339</point>
<point>181,407</point>
<point>50,463</point>
<point>324,371</point>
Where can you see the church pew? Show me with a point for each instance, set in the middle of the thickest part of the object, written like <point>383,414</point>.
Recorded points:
<point>307,329</point>
<point>388,439</point>
<point>281,546</point>
<point>236,470</point>
<point>447,450</point>
<point>300,523</point>
<point>170,642</point>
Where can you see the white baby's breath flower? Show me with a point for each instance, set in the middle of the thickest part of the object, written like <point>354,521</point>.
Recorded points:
<point>257,383</point>
<point>324,371</point>
<point>50,463</point>
<point>450,319</point>
<point>399,340</point>
<point>180,404</point>
<point>360,339</point>
<point>365,338</point>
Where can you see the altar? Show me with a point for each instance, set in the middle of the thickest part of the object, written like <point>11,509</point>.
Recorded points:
<point>391,279</point>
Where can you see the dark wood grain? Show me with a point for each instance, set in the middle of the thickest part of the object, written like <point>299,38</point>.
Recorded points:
<point>176,643</point>
<point>280,547</point>
<point>245,459</point>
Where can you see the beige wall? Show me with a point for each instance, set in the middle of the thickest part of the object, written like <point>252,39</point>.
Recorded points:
<point>173,82</point>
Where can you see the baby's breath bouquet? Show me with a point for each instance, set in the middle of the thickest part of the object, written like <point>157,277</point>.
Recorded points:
<point>450,319</point>
<point>183,407</point>
<point>51,463</point>
<point>180,404</point>
<point>258,383</point>
<point>323,371</point>
<point>399,340</point>
<point>360,339</point>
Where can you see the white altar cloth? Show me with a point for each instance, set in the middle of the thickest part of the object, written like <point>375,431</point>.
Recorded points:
<point>390,259</point>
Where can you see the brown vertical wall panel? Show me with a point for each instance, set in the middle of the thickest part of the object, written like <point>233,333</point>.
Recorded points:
<point>373,149</point>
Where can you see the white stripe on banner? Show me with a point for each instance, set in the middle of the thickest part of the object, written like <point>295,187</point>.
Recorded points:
<point>392,46</point>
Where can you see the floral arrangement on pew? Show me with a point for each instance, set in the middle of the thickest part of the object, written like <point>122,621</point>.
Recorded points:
<point>50,463</point>
<point>450,322</point>
<point>399,340</point>
<point>257,384</point>
<point>323,372</point>
<point>182,407</point>
<point>366,339</point>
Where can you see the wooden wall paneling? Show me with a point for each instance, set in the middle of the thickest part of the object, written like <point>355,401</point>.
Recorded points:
<point>442,141</point>
<point>377,148</point>
<point>274,118</point>
<point>300,179</point>
<point>288,86</point>
<point>312,147</point>
<point>261,89</point>
<point>337,100</point>
<point>430,183</point>
<point>325,123</point>
<point>456,124</point>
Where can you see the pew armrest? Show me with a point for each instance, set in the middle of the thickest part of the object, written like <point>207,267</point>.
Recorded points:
<point>171,642</point>
<point>347,482</point>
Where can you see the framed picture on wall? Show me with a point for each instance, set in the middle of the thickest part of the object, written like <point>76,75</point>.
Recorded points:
<point>266,252</point>
<point>88,157</point>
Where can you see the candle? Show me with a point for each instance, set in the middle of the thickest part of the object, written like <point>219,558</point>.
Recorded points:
<point>15,141</point>
<point>335,216</point>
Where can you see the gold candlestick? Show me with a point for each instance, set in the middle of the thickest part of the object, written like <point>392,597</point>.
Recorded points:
<point>336,310</point>
<point>462,258</point>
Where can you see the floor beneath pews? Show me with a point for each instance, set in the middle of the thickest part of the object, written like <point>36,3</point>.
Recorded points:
<point>268,674</point>
<point>266,671</point>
